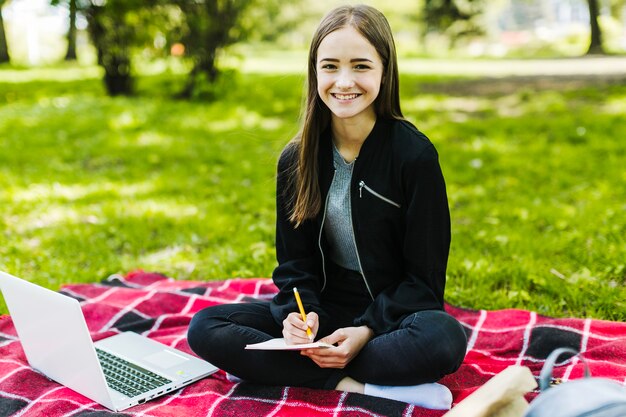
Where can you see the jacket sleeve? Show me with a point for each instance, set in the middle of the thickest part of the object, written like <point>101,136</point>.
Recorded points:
<point>425,247</point>
<point>299,259</point>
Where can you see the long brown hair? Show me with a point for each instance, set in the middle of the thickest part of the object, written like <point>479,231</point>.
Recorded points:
<point>374,27</point>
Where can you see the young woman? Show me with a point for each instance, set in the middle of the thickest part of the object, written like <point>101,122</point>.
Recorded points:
<point>363,232</point>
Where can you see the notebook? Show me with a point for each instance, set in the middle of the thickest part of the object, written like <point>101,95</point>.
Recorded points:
<point>117,372</point>
<point>281,344</point>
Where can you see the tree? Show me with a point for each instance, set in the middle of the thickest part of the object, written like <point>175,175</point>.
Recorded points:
<point>595,45</point>
<point>455,18</point>
<point>119,28</point>
<point>112,33</point>
<point>70,55</point>
<point>213,25</point>
<point>4,48</point>
<point>210,26</point>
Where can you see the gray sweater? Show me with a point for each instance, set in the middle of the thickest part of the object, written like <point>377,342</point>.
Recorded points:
<point>338,222</point>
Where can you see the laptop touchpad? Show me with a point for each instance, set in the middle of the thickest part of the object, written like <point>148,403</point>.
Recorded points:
<point>165,359</point>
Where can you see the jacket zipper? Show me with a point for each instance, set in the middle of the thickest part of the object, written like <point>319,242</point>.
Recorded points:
<point>356,248</point>
<point>374,193</point>
<point>358,258</point>
<point>319,239</point>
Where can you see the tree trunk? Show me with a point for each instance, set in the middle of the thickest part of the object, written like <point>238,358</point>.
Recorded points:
<point>204,70</point>
<point>595,46</point>
<point>117,77</point>
<point>112,49</point>
<point>71,34</point>
<point>207,36</point>
<point>4,48</point>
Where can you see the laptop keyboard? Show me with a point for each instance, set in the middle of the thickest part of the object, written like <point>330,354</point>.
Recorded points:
<point>126,377</point>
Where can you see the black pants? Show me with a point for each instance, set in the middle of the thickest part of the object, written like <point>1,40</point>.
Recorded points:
<point>427,345</point>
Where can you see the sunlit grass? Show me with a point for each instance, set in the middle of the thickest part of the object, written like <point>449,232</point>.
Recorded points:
<point>60,73</point>
<point>92,185</point>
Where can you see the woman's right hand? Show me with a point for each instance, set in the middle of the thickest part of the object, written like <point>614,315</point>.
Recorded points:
<point>294,329</point>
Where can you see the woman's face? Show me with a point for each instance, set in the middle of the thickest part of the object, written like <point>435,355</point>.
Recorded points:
<point>349,74</point>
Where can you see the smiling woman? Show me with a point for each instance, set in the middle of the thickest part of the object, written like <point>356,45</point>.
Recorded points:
<point>349,75</point>
<point>363,231</point>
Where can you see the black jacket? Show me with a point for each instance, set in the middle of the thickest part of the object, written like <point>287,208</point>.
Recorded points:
<point>401,225</point>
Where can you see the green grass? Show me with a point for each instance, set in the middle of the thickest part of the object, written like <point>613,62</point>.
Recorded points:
<point>92,185</point>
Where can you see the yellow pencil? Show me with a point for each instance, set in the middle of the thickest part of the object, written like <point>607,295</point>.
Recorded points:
<point>302,313</point>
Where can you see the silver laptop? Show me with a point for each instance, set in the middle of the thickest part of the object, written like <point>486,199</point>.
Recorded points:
<point>117,372</point>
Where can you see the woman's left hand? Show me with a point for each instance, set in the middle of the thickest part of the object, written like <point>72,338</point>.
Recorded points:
<point>349,341</point>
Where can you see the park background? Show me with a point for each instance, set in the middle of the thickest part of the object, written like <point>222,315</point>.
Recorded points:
<point>175,176</point>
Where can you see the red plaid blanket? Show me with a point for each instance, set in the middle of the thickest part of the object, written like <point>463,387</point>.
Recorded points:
<point>160,308</point>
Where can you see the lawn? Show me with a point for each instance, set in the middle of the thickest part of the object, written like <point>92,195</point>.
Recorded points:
<point>92,185</point>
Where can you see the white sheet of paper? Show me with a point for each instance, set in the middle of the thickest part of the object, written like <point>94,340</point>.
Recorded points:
<point>281,344</point>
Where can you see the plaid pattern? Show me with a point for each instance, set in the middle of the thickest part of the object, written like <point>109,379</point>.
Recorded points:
<point>160,308</point>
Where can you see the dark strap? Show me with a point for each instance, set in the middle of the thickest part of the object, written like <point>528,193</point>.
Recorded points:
<point>546,372</point>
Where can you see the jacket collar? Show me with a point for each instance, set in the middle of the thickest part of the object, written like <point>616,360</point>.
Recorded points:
<point>369,149</point>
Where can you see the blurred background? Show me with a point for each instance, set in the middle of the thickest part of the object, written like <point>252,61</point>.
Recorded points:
<point>43,32</point>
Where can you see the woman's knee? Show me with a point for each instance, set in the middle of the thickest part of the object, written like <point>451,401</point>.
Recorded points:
<point>201,328</point>
<point>453,344</point>
<point>445,337</point>
<point>217,330</point>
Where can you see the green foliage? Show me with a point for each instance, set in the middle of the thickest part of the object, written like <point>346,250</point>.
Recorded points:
<point>114,30</point>
<point>92,185</point>
<point>208,27</point>
<point>455,18</point>
<point>121,29</point>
